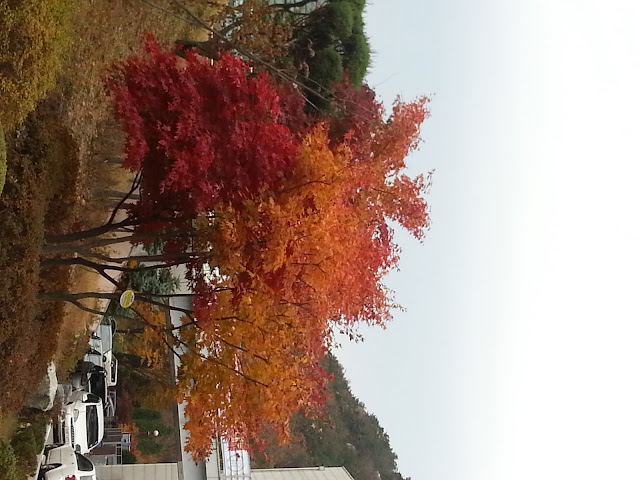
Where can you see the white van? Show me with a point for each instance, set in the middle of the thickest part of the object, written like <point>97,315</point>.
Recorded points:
<point>81,423</point>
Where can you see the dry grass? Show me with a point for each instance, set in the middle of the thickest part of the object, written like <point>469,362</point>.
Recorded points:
<point>105,178</point>
<point>106,32</point>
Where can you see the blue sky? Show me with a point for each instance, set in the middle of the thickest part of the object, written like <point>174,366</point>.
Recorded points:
<point>517,355</point>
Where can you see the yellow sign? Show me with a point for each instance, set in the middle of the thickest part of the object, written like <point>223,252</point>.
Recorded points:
<point>127,298</point>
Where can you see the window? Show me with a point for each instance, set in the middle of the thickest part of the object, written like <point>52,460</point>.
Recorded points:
<point>96,384</point>
<point>84,464</point>
<point>91,398</point>
<point>92,426</point>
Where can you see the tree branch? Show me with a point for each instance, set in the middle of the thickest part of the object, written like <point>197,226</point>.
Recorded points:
<point>92,232</point>
<point>105,242</point>
<point>101,268</point>
<point>134,185</point>
<point>216,362</point>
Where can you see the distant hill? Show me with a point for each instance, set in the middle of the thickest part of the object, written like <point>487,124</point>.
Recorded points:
<point>349,437</point>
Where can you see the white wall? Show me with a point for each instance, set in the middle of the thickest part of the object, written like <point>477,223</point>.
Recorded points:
<point>141,471</point>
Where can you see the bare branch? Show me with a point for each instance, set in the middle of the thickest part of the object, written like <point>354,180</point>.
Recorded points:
<point>101,268</point>
<point>92,232</point>
<point>134,185</point>
<point>216,362</point>
<point>105,242</point>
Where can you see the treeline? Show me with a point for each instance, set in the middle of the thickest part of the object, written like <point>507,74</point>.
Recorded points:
<point>348,436</point>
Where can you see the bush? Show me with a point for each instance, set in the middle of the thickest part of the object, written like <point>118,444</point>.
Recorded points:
<point>38,162</point>
<point>129,457</point>
<point>31,46</point>
<point>147,414</point>
<point>149,420</point>
<point>7,462</point>
<point>148,445</point>
<point>23,204</point>
<point>27,444</point>
<point>3,159</point>
<point>124,412</point>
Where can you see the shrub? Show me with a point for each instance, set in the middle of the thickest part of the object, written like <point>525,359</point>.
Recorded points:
<point>129,457</point>
<point>7,462</point>
<point>31,46</point>
<point>3,159</point>
<point>26,448</point>
<point>148,446</point>
<point>164,429</point>
<point>147,414</point>
<point>23,204</point>
<point>149,420</point>
<point>124,412</point>
<point>36,164</point>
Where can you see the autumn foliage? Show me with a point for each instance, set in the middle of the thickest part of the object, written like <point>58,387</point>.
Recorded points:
<point>202,134</point>
<point>289,226</point>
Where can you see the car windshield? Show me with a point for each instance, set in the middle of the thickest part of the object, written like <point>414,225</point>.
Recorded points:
<point>84,464</point>
<point>96,382</point>
<point>92,426</point>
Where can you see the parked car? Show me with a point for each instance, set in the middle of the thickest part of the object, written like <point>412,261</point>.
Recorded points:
<point>61,462</point>
<point>111,369</point>
<point>92,378</point>
<point>100,352</point>
<point>102,339</point>
<point>107,361</point>
<point>81,423</point>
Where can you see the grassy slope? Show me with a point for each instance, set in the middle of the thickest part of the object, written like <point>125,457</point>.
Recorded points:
<point>55,167</point>
<point>59,132</point>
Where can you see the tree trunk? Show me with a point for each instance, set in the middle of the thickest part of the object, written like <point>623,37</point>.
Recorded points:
<point>92,232</point>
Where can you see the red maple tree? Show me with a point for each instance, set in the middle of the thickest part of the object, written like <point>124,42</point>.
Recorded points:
<point>202,133</point>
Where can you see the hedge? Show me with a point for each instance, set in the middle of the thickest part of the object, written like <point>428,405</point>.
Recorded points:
<point>34,36</point>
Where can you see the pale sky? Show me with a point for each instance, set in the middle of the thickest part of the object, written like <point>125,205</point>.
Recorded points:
<point>518,356</point>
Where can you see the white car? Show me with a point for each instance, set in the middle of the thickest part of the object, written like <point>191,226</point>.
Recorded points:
<point>102,339</point>
<point>111,369</point>
<point>61,462</point>
<point>101,352</point>
<point>81,423</point>
<point>92,378</point>
<point>107,361</point>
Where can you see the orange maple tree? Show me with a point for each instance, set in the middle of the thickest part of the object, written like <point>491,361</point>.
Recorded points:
<point>292,264</point>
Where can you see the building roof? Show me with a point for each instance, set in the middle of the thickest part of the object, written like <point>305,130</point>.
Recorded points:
<point>311,473</point>
<point>138,471</point>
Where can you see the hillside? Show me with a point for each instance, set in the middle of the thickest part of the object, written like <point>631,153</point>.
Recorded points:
<point>349,437</point>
